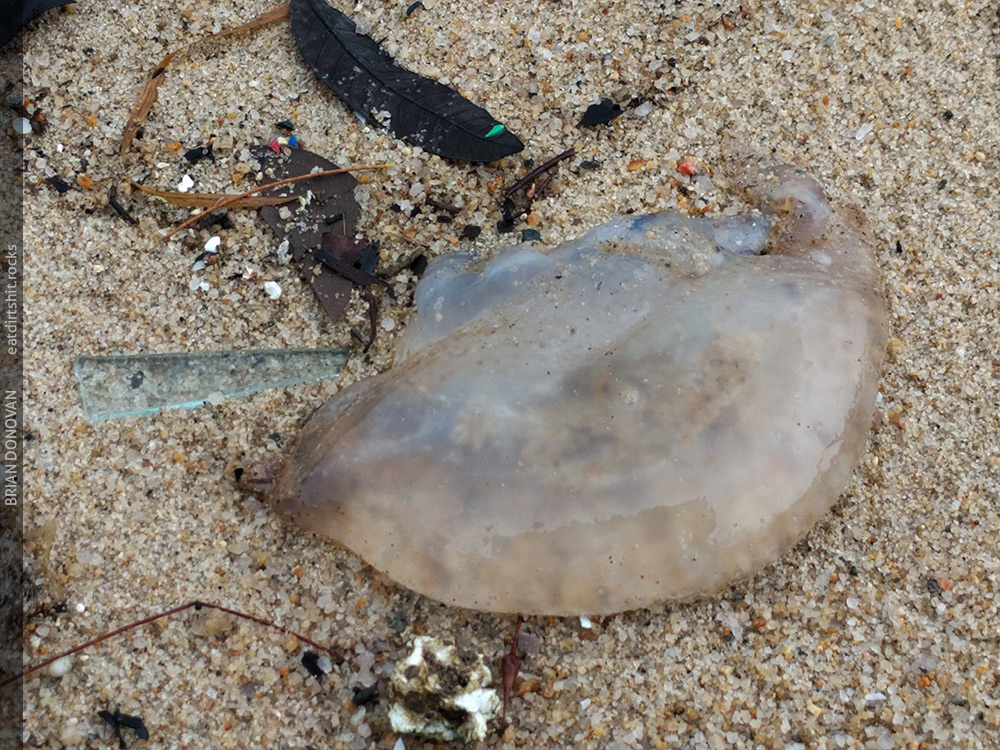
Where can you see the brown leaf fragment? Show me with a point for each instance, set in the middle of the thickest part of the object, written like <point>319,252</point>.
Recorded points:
<point>332,289</point>
<point>207,200</point>
<point>145,102</point>
<point>229,200</point>
<point>331,208</point>
<point>148,96</point>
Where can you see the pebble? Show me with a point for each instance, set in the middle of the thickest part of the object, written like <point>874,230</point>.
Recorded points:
<point>60,667</point>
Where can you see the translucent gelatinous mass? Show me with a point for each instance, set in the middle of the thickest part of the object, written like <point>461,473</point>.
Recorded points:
<point>651,412</point>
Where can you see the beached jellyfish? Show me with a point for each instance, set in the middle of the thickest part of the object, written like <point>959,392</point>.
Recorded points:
<point>651,412</point>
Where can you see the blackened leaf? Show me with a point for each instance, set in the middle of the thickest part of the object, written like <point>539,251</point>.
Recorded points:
<point>600,114</point>
<point>28,9</point>
<point>422,111</point>
<point>331,196</point>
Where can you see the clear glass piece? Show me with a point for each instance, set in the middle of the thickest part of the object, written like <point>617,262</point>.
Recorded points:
<point>139,385</point>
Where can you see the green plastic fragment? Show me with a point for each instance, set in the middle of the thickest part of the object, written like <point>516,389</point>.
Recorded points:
<point>140,385</point>
<point>495,130</point>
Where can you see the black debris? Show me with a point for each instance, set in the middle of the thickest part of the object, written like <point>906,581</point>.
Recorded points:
<point>529,180</point>
<point>222,221</point>
<point>119,208</point>
<point>365,695</point>
<point>372,317</point>
<point>310,660</point>
<point>444,219</point>
<point>601,113</point>
<point>119,721</point>
<point>411,10</point>
<point>932,586</point>
<point>471,231</point>
<point>399,622</point>
<point>369,258</point>
<point>58,183</point>
<point>589,164</point>
<point>285,125</point>
<point>530,235</point>
<point>443,206</point>
<point>419,264</point>
<point>349,271</point>
<point>197,154</point>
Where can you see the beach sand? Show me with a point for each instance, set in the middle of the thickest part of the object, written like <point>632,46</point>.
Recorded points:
<point>879,630</point>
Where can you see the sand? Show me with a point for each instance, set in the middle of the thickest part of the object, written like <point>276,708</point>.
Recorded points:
<point>879,630</point>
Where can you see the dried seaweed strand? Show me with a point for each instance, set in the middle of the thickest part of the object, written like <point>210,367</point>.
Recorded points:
<point>159,616</point>
<point>205,200</point>
<point>232,199</point>
<point>148,96</point>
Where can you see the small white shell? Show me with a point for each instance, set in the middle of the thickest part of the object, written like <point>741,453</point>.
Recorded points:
<point>651,412</point>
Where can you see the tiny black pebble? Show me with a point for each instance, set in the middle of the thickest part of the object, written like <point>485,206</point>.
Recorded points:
<point>365,695</point>
<point>443,219</point>
<point>948,114</point>
<point>530,235</point>
<point>589,164</point>
<point>853,570</point>
<point>137,379</point>
<point>285,125</point>
<point>942,184</point>
<point>932,586</point>
<point>471,231</point>
<point>310,660</point>
<point>399,622</point>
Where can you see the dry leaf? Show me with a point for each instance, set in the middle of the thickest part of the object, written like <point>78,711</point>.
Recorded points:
<point>208,200</point>
<point>148,96</point>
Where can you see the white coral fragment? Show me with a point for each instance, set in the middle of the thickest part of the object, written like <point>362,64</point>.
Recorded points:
<point>442,694</point>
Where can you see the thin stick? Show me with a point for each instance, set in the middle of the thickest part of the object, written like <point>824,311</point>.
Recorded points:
<point>131,626</point>
<point>539,170</point>
<point>149,91</point>
<point>229,200</point>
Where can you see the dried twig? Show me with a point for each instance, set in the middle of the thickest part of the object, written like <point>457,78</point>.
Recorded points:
<point>230,200</point>
<point>528,178</point>
<point>197,605</point>
<point>148,96</point>
<point>205,200</point>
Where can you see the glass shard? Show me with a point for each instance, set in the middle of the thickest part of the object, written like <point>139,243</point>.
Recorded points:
<point>139,385</point>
